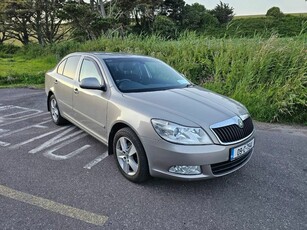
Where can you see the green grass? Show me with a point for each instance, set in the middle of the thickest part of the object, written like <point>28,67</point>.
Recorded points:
<point>269,76</point>
<point>263,15</point>
<point>20,69</point>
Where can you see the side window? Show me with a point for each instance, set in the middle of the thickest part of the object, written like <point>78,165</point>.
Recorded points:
<point>71,66</point>
<point>89,69</point>
<point>61,67</point>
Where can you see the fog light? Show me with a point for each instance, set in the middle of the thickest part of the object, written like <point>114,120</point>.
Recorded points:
<point>186,170</point>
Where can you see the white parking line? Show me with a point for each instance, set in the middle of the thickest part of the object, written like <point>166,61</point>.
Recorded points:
<point>11,115</point>
<point>56,140</point>
<point>65,135</point>
<point>5,107</point>
<point>96,160</point>
<point>24,128</point>
<point>23,110</point>
<point>4,144</point>
<point>4,130</point>
<point>49,154</point>
<point>53,206</point>
<point>12,122</point>
<point>36,138</point>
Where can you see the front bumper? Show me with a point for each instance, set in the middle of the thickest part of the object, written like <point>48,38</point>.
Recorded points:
<point>213,159</point>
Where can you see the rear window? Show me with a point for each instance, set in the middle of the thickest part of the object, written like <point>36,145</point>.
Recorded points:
<point>71,66</point>
<point>61,67</point>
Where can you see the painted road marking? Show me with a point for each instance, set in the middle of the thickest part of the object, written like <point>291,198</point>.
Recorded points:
<point>13,116</point>
<point>52,156</point>
<point>36,138</point>
<point>6,107</point>
<point>53,206</point>
<point>25,128</point>
<point>96,160</point>
<point>55,140</point>
<point>12,122</point>
<point>20,110</point>
<point>4,130</point>
<point>67,136</point>
<point>4,144</point>
<point>49,154</point>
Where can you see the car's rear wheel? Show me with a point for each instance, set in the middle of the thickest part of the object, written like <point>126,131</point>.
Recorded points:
<point>130,156</point>
<point>55,112</point>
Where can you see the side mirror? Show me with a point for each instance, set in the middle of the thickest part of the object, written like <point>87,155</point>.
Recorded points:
<point>92,83</point>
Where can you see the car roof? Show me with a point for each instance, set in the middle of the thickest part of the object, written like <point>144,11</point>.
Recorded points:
<point>105,55</point>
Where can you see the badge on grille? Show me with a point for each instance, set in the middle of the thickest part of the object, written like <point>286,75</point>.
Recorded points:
<point>240,123</point>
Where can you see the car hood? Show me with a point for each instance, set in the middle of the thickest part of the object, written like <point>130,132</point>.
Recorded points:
<point>196,104</point>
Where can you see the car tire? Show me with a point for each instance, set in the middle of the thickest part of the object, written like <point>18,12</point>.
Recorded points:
<point>130,156</point>
<point>55,111</point>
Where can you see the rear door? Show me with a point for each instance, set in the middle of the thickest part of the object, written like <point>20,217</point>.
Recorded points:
<point>64,84</point>
<point>90,106</point>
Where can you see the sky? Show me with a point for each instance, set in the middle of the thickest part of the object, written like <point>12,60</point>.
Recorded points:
<point>253,7</point>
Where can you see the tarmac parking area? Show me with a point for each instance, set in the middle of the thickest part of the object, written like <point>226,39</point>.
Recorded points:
<point>59,177</point>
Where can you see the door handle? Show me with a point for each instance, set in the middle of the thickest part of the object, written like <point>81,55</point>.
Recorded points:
<point>76,91</point>
<point>55,81</point>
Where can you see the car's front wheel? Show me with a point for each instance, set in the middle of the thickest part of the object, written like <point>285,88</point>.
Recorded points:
<point>130,155</point>
<point>55,112</point>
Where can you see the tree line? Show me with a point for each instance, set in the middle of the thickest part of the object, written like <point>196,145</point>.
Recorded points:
<point>50,21</point>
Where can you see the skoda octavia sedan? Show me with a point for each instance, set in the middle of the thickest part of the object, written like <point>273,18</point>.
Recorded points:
<point>154,121</point>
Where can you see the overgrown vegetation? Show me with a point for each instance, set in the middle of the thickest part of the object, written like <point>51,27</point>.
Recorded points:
<point>286,26</point>
<point>50,21</point>
<point>42,20</point>
<point>269,76</point>
<point>259,61</point>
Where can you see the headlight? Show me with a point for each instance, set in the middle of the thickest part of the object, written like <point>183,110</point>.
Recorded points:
<point>180,134</point>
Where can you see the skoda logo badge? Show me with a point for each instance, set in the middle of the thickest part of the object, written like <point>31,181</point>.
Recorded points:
<point>240,123</point>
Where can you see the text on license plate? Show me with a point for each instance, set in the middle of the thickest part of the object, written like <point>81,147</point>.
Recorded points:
<point>241,150</point>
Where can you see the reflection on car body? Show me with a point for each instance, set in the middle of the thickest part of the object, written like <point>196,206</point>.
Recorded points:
<point>153,119</point>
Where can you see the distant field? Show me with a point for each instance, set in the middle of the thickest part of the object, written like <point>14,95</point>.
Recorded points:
<point>263,15</point>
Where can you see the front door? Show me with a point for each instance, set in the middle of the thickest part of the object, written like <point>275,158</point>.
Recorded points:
<point>90,106</point>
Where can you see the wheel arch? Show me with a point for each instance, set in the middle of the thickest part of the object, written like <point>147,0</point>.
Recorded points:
<point>48,98</point>
<point>117,126</point>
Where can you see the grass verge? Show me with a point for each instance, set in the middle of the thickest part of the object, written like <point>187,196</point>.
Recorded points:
<point>269,76</point>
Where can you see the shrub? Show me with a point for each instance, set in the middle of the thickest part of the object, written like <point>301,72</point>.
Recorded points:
<point>165,27</point>
<point>274,12</point>
<point>266,75</point>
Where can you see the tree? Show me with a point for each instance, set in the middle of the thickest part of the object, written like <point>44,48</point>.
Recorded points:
<point>223,13</point>
<point>86,24</point>
<point>80,17</point>
<point>46,24</point>
<point>3,30</point>
<point>33,18</point>
<point>165,27</point>
<point>196,17</point>
<point>143,13</point>
<point>102,9</point>
<point>17,17</point>
<point>274,12</point>
<point>173,9</point>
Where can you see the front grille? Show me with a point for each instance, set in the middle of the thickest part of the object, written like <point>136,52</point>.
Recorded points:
<point>232,133</point>
<point>227,166</point>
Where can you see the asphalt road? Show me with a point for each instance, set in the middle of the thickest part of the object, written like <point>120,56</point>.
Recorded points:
<point>61,178</point>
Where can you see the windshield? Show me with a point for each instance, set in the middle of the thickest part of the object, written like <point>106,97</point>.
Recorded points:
<point>144,74</point>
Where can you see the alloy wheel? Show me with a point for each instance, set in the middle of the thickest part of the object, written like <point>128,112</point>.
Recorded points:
<point>127,156</point>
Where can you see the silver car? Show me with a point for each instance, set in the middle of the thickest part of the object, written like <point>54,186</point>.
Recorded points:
<point>154,121</point>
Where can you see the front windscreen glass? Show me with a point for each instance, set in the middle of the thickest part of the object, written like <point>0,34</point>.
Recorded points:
<point>143,74</point>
